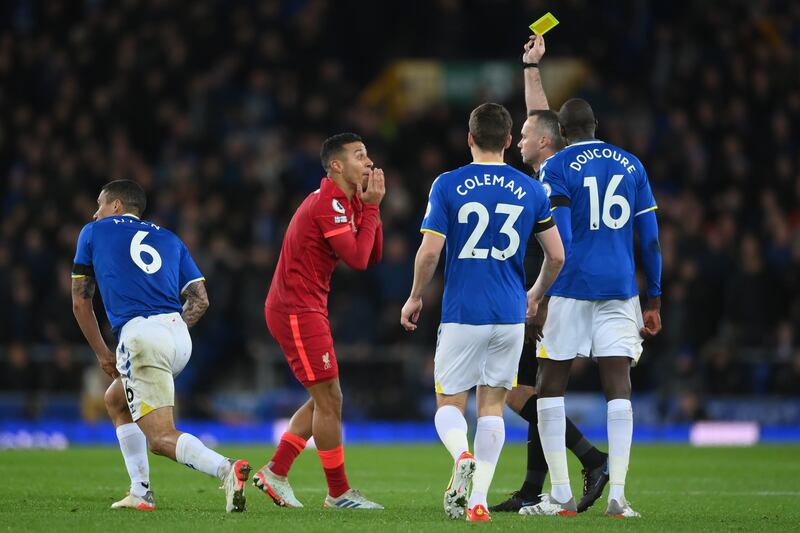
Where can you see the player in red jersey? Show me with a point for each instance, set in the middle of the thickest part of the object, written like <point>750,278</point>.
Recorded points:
<point>341,220</point>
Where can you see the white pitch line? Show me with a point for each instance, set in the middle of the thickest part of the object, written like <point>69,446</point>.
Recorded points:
<point>723,493</point>
<point>766,493</point>
<point>425,490</point>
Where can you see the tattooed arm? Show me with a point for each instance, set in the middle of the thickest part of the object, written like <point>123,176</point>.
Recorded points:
<point>196,302</point>
<point>82,294</point>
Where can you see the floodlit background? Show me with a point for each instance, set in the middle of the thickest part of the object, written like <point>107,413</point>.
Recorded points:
<point>218,109</point>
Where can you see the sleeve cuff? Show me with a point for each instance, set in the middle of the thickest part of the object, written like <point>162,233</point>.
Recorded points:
<point>426,230</point>
<point>81,271</point>
<point>643,211</point>
<point>190,282</point>
<point>544,225</point>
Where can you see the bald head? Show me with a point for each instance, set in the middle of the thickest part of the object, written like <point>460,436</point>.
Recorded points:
<point>577,119</point>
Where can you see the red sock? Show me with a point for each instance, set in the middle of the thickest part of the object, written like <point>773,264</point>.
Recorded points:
<point>288,449</point>
<point>333,464</point>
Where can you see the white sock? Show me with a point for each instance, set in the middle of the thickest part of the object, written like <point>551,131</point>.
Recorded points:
<point>552,432</point>
<point>133,445</point>
<point>452,429</point>
<point>620,434</point>
<point>489,438</point>
<point>194,454</point>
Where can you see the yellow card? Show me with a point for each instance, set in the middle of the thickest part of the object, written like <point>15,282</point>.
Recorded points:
<point>544,24</point>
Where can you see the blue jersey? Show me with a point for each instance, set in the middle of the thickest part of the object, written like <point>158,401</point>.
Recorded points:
<point>140,268</point>
<point>605,187</point>
<point>486,211</point>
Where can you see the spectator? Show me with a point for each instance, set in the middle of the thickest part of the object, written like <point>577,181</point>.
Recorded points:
<point>63,375</point>
<point>19,374</point>
<point>222,109</point>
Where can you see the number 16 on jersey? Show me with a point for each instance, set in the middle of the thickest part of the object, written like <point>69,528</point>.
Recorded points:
<point>609,201</point>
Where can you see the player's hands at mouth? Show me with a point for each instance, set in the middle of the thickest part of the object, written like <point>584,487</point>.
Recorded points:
<point>375,189</point>
<point>108,363</point>
<point>410,313</point>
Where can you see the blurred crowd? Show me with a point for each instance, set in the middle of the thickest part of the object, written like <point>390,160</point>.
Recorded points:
<point>218,109</point>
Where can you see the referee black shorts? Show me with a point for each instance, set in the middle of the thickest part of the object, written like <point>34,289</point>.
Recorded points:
<point>526,374</point>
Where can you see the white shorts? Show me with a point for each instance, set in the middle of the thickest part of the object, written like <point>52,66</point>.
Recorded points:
<point>592,328</point>
<point>468,355</point>
<point>150,353</point>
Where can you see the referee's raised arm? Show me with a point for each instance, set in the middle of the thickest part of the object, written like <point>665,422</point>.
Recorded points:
<point>531,56</point>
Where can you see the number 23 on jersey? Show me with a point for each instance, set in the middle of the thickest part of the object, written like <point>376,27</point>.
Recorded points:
<point>469,251</point>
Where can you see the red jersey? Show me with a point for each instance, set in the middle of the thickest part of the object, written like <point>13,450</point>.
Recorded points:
<point>325,228</point>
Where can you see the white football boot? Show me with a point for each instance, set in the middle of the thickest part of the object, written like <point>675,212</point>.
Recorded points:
<point>621,509</point>
<point>141,503</point>
<point>233,485</point>
<point>548,506</point>
<point>276,487</point>
<point>456,495</point>
<point>352,499</point>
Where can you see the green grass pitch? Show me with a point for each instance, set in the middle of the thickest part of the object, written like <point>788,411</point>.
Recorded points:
<point>676,488</point>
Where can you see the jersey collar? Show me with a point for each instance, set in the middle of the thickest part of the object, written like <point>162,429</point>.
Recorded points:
<point>593,141</point>
<point>130,215</point>
<point>329,187</point>
<point>546,159</point>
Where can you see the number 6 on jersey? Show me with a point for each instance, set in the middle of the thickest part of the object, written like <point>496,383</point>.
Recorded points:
<point>138,247</point>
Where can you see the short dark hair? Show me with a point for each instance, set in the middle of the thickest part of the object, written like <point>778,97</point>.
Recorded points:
<point>547,122</point>
<point>577,118</point>
<point>490,125</point>
<point>333,145</point>
<point>129,193</point>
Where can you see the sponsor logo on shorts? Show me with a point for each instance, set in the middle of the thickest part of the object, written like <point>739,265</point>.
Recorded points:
<point>326,361</point>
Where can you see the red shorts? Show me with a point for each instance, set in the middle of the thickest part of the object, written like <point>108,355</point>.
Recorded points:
<point>306,341</point>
